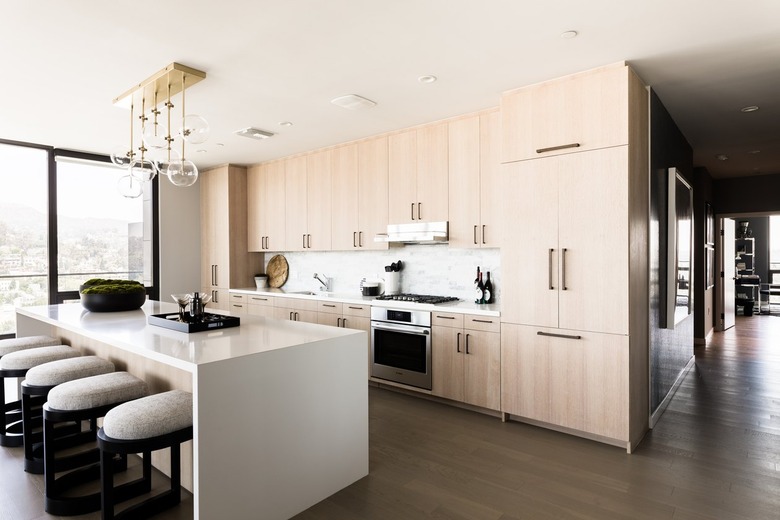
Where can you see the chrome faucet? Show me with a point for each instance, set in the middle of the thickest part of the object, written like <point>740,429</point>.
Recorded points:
<point>326,284</point>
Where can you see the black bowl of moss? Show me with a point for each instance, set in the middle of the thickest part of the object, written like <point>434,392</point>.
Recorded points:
<point>100,295</point>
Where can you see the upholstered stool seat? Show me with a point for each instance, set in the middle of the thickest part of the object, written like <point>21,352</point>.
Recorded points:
<point>12,345</point>
<point>16,363</point>
<point>35,388</point>
<point>85,399</point>
<point>143,426</point>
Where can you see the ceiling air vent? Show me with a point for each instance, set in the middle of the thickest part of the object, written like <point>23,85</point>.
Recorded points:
<point>254,133</point>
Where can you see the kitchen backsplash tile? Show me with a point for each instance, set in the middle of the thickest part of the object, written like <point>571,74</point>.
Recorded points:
<point>427,269</point>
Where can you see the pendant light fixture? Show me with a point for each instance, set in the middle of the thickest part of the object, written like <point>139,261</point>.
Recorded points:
<point>156,152</point>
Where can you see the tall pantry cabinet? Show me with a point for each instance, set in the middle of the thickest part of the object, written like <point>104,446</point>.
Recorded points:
<point>225,260</point>
<point>574,258</point>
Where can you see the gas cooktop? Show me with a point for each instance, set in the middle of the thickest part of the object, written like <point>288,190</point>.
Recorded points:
<point>417,298</point>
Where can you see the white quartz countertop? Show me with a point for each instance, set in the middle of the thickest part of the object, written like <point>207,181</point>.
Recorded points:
<point>130,330</point>
<point>462,307</point>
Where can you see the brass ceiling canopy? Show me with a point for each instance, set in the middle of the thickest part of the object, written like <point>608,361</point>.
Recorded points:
<point>174,75</point>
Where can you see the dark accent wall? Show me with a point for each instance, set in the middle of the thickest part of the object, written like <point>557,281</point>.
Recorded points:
<point>756,194</point>
<point>670,349</point>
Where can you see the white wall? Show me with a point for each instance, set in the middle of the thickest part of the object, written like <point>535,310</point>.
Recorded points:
<point>427,269</point>
<point>179,239</point>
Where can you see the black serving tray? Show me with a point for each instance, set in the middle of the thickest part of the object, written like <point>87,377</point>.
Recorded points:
<point>208,322</point>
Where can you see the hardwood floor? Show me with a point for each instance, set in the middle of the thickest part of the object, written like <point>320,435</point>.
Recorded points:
<point>715,454</point>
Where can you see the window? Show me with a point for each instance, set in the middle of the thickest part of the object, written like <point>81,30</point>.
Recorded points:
<point>774,248</point>
<point>24,257</point>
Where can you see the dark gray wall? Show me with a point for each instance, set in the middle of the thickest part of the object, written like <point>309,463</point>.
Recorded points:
<point>759,193</point>
<point>670,349</point>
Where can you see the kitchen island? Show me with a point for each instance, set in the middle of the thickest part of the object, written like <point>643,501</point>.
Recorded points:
<point>280,408</point>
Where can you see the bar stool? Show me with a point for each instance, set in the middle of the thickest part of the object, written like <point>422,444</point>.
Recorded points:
<point>142,426</point>
<point>85,399</point>
<point>16,364</point>
<point>35,389</point>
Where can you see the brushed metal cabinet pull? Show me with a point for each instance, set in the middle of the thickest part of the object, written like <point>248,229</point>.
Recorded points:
<point>475,234</point>
<point>328,305</point>
<point>344,322</point>
<point>308,241</point>
<point>482,321</point>
<point>467,343</point>
<point>237,305</point>
<point>360,238</point>
<point>412,210</point>
<point>483,234</point>
<point>560,147</point>
<point>419,211</point>
<point>260,299</point>
<point>355,308</point>
<point>338,322</point>
<point>446,317</point>
<point>549,269</point>
<point>552,335</point>
<point>296,316</point>
<point>563,269</point>
<point>354,239</point>
<point>303,241</point>
<point>457,343</point>
<point>291,315</point>
<point>216,277</point>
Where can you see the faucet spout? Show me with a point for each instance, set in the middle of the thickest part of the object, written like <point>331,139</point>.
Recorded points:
<point>326,283</point>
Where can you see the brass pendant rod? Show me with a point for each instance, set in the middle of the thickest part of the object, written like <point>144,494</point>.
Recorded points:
<point>168,105</point>
<point>183,113</point>
<point>131,153</point>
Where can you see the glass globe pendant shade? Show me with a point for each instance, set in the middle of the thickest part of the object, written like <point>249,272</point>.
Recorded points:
<point>121,156</point>
<point>130,187</point>
<point>194,129</point>
<point>182,173</point>
<point>154,136</point>
<point>159,158</point>
<point>144,170</point>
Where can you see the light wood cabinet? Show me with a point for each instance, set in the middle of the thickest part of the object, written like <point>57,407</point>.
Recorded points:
<point>573,379</point>
<point>571,215</point>
<point>225,260</point>
<point>580,112</point>
<point>466,359</point>
<point>308,202</point>
<point>295,210</point>
<point>260,306</point>
<point>474,181</point>
<point>418,166</point>
<point>265,207</point>
<point>359,192</point>
<point>295,309</point>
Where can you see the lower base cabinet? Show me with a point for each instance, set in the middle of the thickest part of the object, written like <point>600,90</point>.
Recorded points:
<point>573,379</point>
<point>466,357</point>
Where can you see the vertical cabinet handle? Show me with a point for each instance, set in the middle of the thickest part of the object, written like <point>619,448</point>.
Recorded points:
<point>360,238</point>
<point>308,241</point>
<point>344,322</point>
<point>296,316</point>
<point>467,343</point>
<point>457,343</point>
<point>303,241</point>
<point>549,269</point>
<point>412,210</point>
<point>483,234</point>
<point>291,315</point>
<point>419,211</point>
<point>354,239</point>
<point>475,234</point>
<point>215,276</point>
<point>563,269</point>
<point>338,322</point>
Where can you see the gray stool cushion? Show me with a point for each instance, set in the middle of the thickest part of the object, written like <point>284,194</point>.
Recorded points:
<point>58,372</point>
<point>28,358</point>
<point>95,391</point>
<point>12,345</point>
<point>150,416</point>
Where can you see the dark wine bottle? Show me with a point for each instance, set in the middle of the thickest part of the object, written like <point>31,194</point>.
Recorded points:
<point>488,289</point>
<point>480,293</point>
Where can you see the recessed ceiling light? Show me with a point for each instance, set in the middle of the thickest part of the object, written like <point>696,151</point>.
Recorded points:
<point>254,133</point>
<point>754,152</point>
<point>722,157</point>
<point>285,123</point>
<point>201,150</point>
<point>427,79</point>
<point>220,144</point>
<point>568,35</point>
<point>353,102</point>
<point>751,108</point>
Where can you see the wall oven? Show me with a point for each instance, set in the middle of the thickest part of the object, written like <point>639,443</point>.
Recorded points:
<point>401,346</point>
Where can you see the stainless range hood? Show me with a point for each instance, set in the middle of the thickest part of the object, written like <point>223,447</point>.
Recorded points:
<point>415,233</point>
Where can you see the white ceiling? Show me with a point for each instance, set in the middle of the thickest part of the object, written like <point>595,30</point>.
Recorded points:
<point>267,62</point>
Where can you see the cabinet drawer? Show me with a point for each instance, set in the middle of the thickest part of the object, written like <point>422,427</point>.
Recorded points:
<point>485,323</point>
<point>238,308</point>
<point>447,319</point>
<point>301,304</point>
<point>261,300</point>
<point>260,310</point>
<point>330,307</point>
<point>351,309</point>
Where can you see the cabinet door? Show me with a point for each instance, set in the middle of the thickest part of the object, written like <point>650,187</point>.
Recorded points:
<point>254,196</point>
<point>402,171</point>
<point>567,379</point>
<point>318,201</point>
<point>344,193</point>
<point>447,353</point>
<point>464,182</point>
<point>529,243</point>
<point>593,240</point>
<point>373,192</point>
<point>606,385</point>
<point>328,318</point>
<point>295,211</point>
<point>489,179</point>
<point>433,173</point>
<point>273,206</point>
<point>215,245</point>
<point>589,110</point>
<point>525,373</point>
<point>482,370</point>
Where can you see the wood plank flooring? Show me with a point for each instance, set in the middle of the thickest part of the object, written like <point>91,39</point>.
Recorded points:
<point>715,454</point>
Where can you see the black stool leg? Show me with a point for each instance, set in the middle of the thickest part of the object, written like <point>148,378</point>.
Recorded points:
<point>11,432</point>
<point>176,473</point>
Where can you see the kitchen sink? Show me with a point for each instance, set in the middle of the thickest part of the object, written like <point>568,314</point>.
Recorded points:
<point>312,293</point>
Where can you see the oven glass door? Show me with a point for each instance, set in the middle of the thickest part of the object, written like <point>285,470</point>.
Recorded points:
<point>401,354</point>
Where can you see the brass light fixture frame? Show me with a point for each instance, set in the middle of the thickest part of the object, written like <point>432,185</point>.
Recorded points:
<point>178,76</point>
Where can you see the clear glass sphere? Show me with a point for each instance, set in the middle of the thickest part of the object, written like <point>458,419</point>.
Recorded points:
<point>120,156</point>
<point>143,170</point>
<point>182,173</point>
<point>154,136</point>
<point>159,158</point>
<point>130,187</point>
<point>194,129</point>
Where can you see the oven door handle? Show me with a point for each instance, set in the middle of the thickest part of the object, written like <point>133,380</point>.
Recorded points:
<point>420,331</point>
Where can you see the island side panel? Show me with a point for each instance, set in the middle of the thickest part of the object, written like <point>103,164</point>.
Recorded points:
<point>276,432</point>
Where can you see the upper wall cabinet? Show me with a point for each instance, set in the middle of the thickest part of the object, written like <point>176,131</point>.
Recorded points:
<point>419,175</point>
<point>474,145</point>
<point>265,201</point>
<point>580,112</point>
<point>359,193</point>
<point>308,202</point>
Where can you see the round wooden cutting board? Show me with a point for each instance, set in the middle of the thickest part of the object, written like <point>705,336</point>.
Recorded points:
<point>277,271</point>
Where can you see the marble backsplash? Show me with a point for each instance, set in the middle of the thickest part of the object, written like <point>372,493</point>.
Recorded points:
<point>427,269</point>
